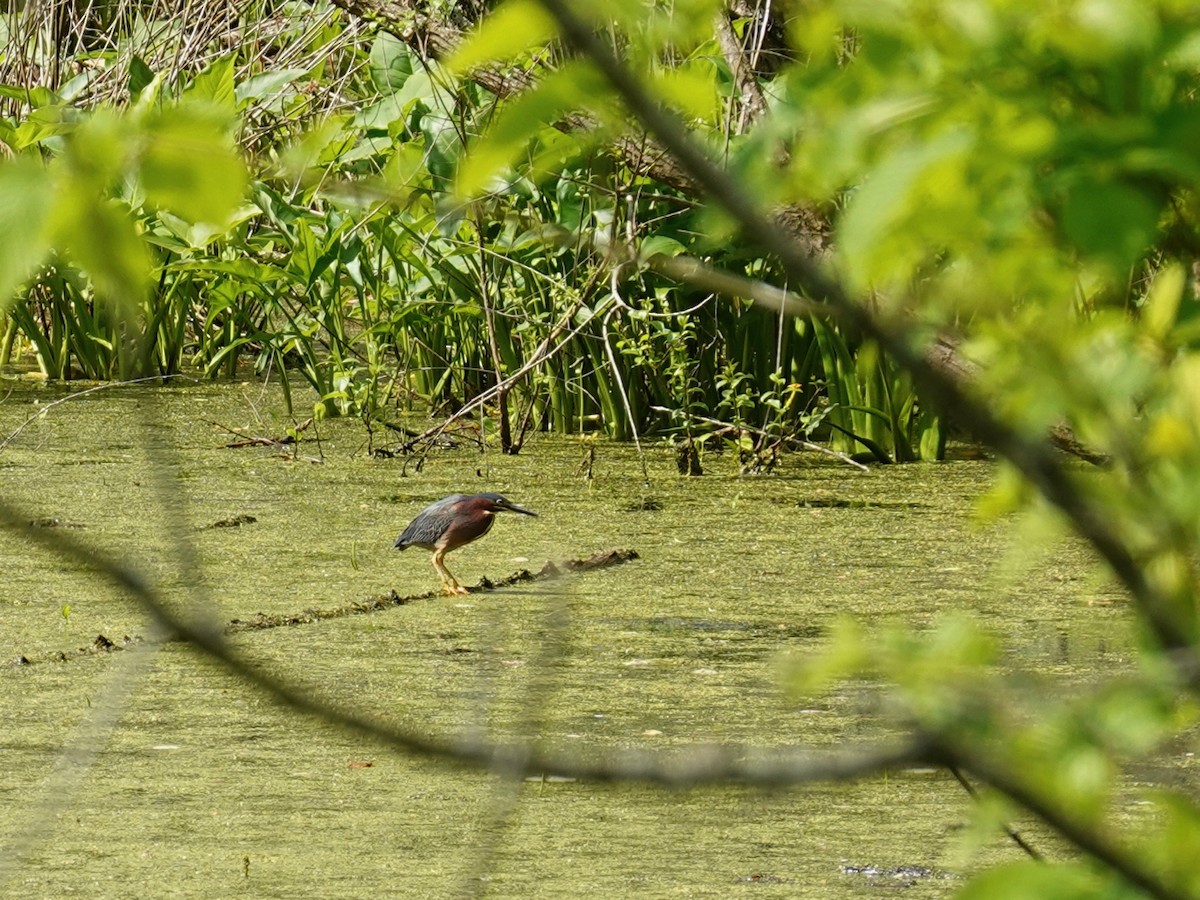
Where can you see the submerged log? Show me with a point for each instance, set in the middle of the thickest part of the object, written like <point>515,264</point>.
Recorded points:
<point>944,356</point>
<point>602,560</point>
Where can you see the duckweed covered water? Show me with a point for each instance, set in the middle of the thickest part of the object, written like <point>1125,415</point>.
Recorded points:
<point>206,789</point>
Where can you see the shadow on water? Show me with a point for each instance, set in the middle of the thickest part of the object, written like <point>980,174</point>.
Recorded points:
<point>205,789</point>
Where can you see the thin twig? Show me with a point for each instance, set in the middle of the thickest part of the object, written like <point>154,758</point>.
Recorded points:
<point>1015,835</point>
<point>793,441</point>
<point>42,410</point>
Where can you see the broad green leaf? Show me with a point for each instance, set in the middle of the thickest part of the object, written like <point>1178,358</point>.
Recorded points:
<point>189,166</point>
<point>406,168</point>
<point>390,63</point>
<point>1174,839</point>
<point>692,89</point>
<point>215,83</point>
<point>45,123</point>
<point>140,76</point>
<point>571,204</point>
<point>660,245</point>
<point>1186,54</point>
<point>382,113</point>
<point>1162,301</point>
<point>846,654</point>
<point>100,237</point>
<point>553,150</point>
<point>1104,31</point>
<point>443,146</point>
<point>77,85</point>
<point>265,85</point>
<point>323,144</point>
<point>98,151</point>
<point>26,197</point>
<point>1043,880</point>
<point>1112,221</point>
<point>197,235</point>
<point>890,196</point>
<point>516,27</point>
<point>931,436</point>
<point>36,96</point>
<point>819,33</point>
<point>240,269</point>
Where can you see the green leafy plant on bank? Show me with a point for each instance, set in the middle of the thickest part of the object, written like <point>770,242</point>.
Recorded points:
<point>345,265</point>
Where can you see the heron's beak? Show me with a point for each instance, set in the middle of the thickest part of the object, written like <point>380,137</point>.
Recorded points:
<point>512,507</point>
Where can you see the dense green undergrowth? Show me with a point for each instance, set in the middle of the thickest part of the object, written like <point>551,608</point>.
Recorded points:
<point>324,241</point>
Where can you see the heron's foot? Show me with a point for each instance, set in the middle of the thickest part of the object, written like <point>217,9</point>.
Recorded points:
<point>454,589</point>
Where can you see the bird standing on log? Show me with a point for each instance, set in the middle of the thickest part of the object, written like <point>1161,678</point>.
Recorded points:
<point>452,523</point>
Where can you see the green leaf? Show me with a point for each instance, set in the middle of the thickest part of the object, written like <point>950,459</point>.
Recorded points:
<point>185,235</point>
<point>77,85</point>
<point>692,89</point>
<point>141,76</point>
<point>1162,301</point>
<point>1110,220</point>
<point>379,116</point>
<point>266,84</point>
<point>390,63</point>
<point>514,28</point>
<point>189,165</point>
<point>845,655</point>
<point>26,197</point>
<point>891,194</point>
<point>1174,838</point>
<point>1034,878</point>
<point>36,97</point>
<point>325,142</point>
<point>44,123</point>
<point>99,235</point>
<point>98,150</point>
<point>214,84</point>
<point>406,168</point>
<point>660,245</point>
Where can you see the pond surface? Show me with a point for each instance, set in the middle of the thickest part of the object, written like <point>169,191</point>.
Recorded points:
<point>204,788</point>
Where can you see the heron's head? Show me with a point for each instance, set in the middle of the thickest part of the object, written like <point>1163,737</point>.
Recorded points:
<point>496,503</point>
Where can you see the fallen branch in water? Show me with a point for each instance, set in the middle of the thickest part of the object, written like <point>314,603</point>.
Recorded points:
<point>601,560</point>
<point>249,440</point>
<point>102,644</point>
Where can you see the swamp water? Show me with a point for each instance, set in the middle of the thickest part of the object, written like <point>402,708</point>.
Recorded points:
<point>204,788</point>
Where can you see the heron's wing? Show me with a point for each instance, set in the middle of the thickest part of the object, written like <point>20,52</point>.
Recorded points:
<point>427,527</point>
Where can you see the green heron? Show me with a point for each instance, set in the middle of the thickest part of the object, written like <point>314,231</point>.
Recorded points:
<point>452,523</point>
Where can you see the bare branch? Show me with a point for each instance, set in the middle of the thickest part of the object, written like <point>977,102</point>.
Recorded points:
<point>700,764</point>
<point>753,103</point>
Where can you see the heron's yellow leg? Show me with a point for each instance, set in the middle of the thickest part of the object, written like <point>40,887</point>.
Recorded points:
<point>451,583</point>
